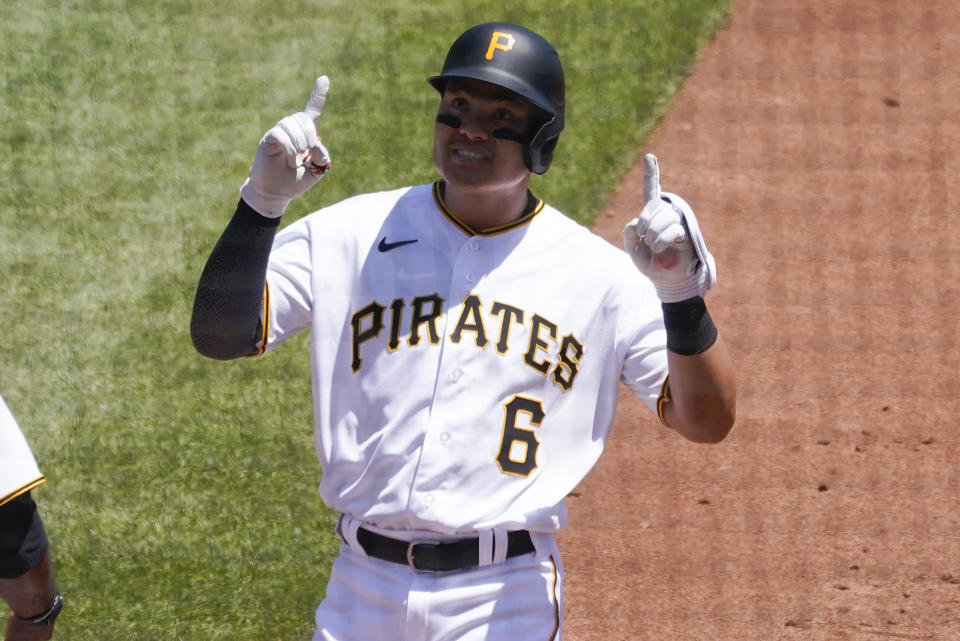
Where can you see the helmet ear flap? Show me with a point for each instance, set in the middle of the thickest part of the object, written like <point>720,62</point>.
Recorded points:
<point>539,151</point>
<point>545,154</point>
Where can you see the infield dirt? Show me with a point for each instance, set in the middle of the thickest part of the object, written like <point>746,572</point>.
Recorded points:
<point>818,143</point>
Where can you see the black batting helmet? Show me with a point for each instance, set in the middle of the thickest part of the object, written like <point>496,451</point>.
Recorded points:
<point>517,59</point>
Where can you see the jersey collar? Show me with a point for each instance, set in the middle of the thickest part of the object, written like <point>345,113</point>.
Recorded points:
<point>533,207</point>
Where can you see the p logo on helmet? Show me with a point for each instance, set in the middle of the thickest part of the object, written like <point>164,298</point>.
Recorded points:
<point>495,43</point>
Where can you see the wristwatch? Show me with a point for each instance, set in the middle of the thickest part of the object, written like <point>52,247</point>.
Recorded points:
<point>46,618</point>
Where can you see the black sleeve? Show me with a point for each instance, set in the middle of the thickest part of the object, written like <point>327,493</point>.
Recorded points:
<point>226,310</point>
<point>23,539</point>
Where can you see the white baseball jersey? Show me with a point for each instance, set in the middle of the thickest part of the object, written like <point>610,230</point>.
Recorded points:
<point>461,381</point>
<point>18,469</point>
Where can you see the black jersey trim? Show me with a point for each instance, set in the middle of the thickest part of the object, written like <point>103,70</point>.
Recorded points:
<point>556,600</point>
<point>662,400</point>
<point>264,323</point>
<point>534,206</point>
<point>23,489</point>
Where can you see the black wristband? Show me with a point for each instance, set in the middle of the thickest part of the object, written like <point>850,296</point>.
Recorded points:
<point>46,618</point>
<point>690,330</point>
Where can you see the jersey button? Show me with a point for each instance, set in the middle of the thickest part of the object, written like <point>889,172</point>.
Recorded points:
<point>474,244</point>
<point>470,277</point>
<point>444,438</point>
<point>456,375</point>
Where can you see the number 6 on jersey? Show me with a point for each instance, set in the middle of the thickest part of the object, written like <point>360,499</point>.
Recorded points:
<point>518,449</point>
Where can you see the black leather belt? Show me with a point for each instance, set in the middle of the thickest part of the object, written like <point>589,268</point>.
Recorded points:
<point>435,556</point>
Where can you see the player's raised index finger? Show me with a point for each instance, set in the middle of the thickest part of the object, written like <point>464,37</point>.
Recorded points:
<point>651,178</point>
<point>317,98</point>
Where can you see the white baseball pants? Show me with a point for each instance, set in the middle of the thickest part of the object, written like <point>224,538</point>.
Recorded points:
<point>368,599</point>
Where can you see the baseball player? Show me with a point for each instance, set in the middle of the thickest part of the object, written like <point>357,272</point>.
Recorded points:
<point>26,574</point>
<point>468,342</point>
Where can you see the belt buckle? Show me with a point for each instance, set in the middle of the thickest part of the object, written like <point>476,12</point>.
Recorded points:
<point>410,556</point>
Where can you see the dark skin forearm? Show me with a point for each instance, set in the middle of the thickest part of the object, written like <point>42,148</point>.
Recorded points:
<point>704,394</point>
<point>29,595</point>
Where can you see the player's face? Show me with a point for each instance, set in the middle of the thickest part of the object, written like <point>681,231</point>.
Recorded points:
<point>469,156</point>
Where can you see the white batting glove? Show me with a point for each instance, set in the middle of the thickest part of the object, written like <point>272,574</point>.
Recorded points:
<point>665,242</point>
<point>290,158</point>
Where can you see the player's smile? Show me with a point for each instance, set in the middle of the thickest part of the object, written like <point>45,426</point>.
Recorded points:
<point>470,156</point>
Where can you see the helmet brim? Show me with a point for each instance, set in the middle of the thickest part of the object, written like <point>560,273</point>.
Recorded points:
<point>508,81</point>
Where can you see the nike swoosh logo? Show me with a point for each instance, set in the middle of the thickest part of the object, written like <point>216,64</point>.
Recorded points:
<point>384,246</point>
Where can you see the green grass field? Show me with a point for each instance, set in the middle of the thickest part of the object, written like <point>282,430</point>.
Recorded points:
<point>181,495</point>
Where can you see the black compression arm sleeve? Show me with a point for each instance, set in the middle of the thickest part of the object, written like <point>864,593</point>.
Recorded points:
<point>226,311</point>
